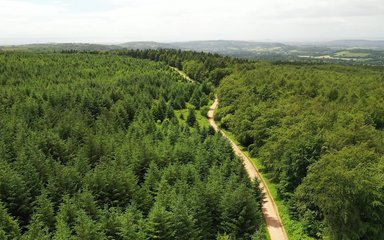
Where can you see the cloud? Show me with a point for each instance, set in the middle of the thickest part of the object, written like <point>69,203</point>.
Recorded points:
<point>173,20</point>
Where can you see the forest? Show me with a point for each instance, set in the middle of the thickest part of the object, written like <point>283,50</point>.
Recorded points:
<point>318,130</point>
<point>91,148</point>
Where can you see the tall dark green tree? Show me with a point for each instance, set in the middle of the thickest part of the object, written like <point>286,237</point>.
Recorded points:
<point>191,118</point>
<point>9,229</point>
<point>159,224</point>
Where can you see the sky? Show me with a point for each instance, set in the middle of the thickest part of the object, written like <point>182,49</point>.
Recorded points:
<point>115,21</point>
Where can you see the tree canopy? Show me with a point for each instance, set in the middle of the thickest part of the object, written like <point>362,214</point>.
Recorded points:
<point>91,148</point>
<point>318,131</point>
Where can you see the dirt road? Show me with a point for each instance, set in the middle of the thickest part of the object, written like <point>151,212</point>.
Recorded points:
<point>271,214</point>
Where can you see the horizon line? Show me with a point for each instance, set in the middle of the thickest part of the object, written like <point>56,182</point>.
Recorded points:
<point>37,42</point>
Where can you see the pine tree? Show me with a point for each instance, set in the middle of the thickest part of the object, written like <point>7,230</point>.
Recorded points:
<point>88,229</point>
<point>183,222</point>
<point>240,213</point>
<point>9,229</point>
<point>63,231</point>
<point>191,118</point>
<point>159,110</point>
<point>132,225</point>
<point>159,224</point>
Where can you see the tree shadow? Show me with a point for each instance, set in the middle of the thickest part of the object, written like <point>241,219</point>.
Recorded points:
<point>271,221</point>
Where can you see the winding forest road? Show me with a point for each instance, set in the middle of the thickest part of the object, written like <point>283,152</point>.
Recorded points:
<point>271,214</point>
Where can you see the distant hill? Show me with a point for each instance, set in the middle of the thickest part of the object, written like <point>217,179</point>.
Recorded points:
<point>355,44</point>
<point>63,46</point>
<point>217,46</point>
<point>226,45</point>
<point>146,45</point>
<point>347,51</point>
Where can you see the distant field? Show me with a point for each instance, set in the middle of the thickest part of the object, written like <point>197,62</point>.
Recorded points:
<point>351,54</point>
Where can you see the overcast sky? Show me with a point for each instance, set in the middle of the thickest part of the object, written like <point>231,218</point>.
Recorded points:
<point>26,21</point>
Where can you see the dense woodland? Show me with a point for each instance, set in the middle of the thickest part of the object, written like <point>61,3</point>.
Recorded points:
<point>91,148</point>
<point>202,67</point>
<point>318,129</point>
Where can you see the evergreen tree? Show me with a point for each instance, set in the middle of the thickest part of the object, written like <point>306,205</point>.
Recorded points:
<point>132,225</point>
<point>183,222</point>
<point>9,229</point>
<point>159,224</point>
<point>159,110</point>
<point>88,229</point>
<point>191,118</point>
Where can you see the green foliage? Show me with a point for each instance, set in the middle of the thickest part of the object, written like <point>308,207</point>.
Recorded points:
<point>198,65</point>
<point>9,229</point>
<point>88,229</point>
<point>91,149</point>
<point>131,225</point>
<point>317,130</point>
<point>340,182</point>
<point>43,219</point>
<point>160,110</point>
<point>237,205</point>
<point>14,193</point>
<point>194,69</point>
<point>191,118</point>
<point>159,225</point>
<point>100,180</point>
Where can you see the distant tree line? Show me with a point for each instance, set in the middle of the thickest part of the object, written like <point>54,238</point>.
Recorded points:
<point>199,66</point>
